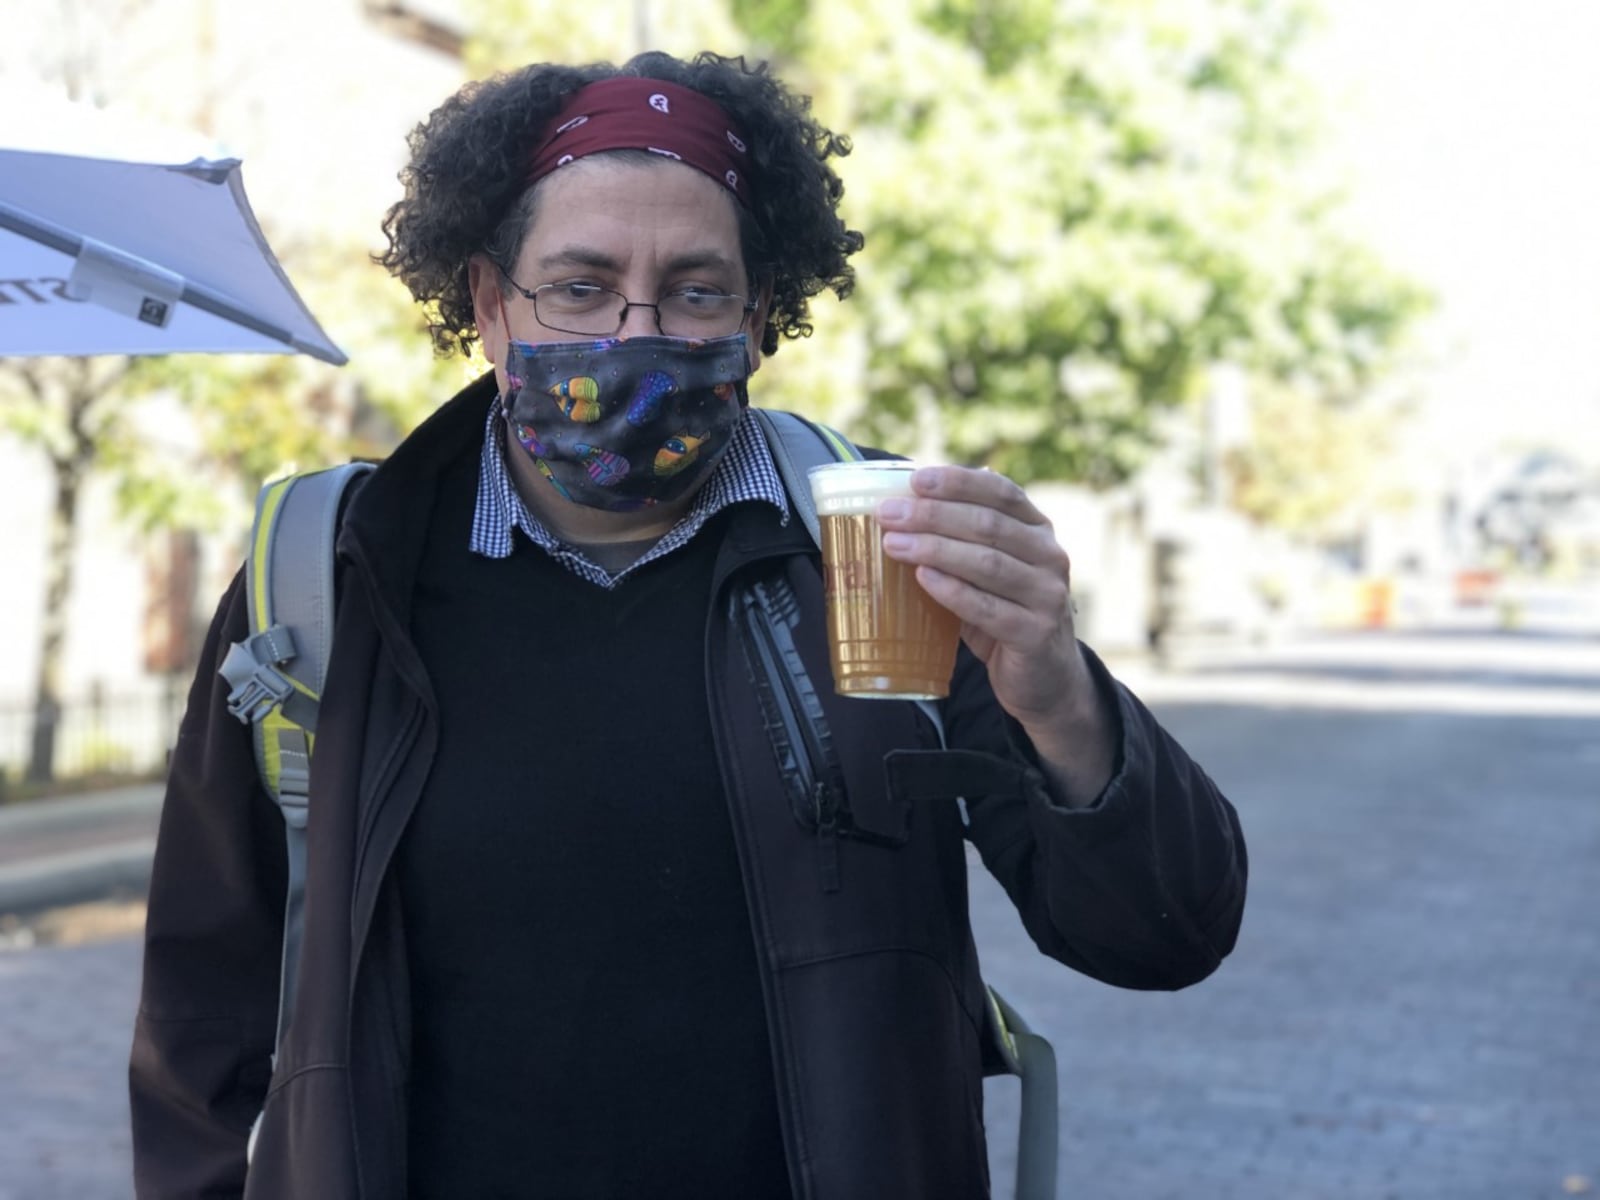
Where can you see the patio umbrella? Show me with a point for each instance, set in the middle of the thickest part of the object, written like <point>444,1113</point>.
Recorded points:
<point>105,256</point>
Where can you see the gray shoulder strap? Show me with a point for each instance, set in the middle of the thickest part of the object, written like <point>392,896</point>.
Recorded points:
<point>300,569</point>
<point>277,673</point>
<point>797,445</point>
<point>283,664</point>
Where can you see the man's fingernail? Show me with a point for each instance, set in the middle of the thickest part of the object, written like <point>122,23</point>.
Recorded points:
<point>926,478</point>
<point>895,510</point>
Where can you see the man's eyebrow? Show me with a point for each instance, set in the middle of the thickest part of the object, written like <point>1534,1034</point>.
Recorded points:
<point>695,260</point>
<point>579,256</point>
<point>588,256</point>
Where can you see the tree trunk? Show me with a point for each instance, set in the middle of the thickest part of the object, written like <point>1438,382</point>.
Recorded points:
<point>53,622</point>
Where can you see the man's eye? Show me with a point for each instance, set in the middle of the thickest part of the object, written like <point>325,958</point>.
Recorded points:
<point>699,297</point>
<point>575,296</point>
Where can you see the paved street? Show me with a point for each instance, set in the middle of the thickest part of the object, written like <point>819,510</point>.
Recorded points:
<point>1413,1011</point>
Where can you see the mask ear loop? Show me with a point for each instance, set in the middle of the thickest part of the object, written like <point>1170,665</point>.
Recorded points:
<point>504,322</point>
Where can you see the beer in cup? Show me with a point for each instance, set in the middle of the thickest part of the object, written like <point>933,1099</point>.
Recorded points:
<point>887,637</point>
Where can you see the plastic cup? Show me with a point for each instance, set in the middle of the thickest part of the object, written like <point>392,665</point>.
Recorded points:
<point>887,637</point>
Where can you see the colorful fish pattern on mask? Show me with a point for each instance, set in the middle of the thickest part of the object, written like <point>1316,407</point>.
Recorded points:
<point>677,453</point>
<point>605,468</point>
<point>653,389</point>
<point>622,424</point>
<point>530,442</point>
<point>578,398</point>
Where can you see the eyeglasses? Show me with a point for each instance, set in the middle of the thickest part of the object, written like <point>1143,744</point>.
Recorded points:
<point>594,311</point>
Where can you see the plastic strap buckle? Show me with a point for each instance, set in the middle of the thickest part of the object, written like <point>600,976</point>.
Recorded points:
<point>258,686</point>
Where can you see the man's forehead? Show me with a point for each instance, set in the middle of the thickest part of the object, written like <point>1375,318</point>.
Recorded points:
<point>616,226</point>
<point>599,198</point>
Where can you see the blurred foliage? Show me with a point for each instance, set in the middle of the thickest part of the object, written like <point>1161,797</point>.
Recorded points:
<point>1072,209</point>
<point>186,440</point>
<point>506,34</point>
<point>253,417</point>
<point>61,407</point>
<point>1312,466</point>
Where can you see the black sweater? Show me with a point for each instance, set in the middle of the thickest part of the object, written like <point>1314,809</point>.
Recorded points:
<point>587,1008</point>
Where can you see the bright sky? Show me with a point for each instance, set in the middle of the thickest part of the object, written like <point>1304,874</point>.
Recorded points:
<point>1474,130</point>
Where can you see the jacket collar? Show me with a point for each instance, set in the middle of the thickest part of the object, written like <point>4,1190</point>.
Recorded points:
<point>384,526</point>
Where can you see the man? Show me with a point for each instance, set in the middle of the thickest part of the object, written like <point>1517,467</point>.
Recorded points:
<point>571,929</point>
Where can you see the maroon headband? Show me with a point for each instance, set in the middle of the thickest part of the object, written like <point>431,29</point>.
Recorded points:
<point>630,113</point>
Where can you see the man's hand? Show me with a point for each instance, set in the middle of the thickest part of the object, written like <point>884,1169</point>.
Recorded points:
<point>987,554</point>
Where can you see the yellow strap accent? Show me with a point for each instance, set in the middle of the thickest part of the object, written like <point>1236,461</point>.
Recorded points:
<point>1000,1022</point>
<point>272,766</point>
<point>260,553</point>
<point>272,725</point>
<point>843,450</point>
<point>261,556</point>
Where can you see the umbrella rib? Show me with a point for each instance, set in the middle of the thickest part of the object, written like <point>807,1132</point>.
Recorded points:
<point>56,238</point>
<point>213,302</point>
<point>46,234</point>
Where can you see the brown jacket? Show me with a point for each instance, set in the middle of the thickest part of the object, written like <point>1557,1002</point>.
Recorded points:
<point>872,989</point>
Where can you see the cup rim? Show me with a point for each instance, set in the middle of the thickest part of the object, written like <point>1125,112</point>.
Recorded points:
<point>871,464</point>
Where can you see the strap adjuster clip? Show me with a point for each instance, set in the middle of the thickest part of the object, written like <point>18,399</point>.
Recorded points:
<point>258,687</point>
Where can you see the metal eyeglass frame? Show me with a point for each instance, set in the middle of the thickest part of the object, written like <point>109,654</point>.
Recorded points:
<point>747,306</point>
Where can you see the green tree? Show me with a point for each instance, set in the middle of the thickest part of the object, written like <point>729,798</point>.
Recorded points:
<point>1312,468</point>
<point>1072,210</point>
<point>257,416</point>
<point>58,406</point>
<point>507,34</point>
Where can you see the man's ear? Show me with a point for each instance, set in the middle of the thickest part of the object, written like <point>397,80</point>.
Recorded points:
<point>488,308</point>
<point>483,282</point>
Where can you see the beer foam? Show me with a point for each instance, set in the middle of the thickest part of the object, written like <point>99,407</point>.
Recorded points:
<point>841,488</point>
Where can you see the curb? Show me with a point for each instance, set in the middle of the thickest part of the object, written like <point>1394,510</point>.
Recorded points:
<point>78,876</point>
<point>69,812</point>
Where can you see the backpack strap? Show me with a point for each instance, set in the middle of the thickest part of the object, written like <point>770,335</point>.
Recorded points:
<point>277,672</point>
<point>797,445</point>
<point>1033,1060</point>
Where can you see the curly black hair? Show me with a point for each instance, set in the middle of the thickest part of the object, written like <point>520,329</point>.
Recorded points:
<point>466,186</point>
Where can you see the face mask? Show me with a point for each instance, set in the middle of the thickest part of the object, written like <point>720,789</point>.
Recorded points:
<point>624,424</point>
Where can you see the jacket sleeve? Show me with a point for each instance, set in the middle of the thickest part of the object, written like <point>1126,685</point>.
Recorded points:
<point>1145,887</point>
<point>204,1034</point>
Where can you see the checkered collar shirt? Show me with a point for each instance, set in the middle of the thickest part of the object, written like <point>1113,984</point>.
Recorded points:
<point>747,472</point>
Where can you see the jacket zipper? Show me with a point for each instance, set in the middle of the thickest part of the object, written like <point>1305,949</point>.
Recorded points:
<point>777,1016</point>
<point>371,803</point>
<point>814,763</point>
<point>827,836</point>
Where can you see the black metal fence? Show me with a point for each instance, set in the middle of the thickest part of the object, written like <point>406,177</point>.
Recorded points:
<point>97,733</point>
